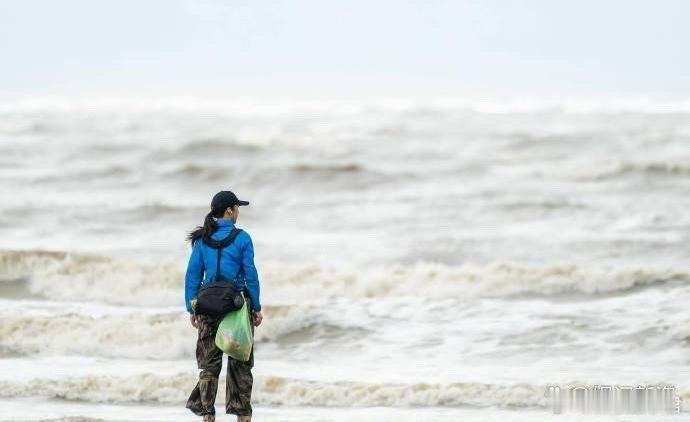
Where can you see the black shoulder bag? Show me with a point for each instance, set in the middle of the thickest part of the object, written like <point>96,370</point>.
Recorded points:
<point>218,297</point>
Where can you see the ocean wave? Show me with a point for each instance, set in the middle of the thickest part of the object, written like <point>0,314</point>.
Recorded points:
<point>328,168</point>
<point>545,204</point>
<point>212,146</point>
<point>682,331</point>
<point>14,287</point>
<point>275,390</point>
<point>301,172</point>
<point>167,335</point>
<point>65,275</point>
<point>493,280</point>
<point>72,276</point>
<point>118,336</point>
<point>282,391</point>
<point>117,172</point>
<point>198,171</point>
<point>615,169</point>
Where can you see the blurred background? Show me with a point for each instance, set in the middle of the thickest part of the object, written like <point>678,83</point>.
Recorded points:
<point>454,204</point>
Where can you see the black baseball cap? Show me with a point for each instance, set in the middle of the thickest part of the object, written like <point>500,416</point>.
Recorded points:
<point>225,199</point>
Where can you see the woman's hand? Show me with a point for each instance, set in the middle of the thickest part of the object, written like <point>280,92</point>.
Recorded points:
<point>257,317</point>
<point>194,321</point>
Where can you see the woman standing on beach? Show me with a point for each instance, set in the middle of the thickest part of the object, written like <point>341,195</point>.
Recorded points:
<point>237,258</point>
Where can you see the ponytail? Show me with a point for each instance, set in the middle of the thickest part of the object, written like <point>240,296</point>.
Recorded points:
<point>207,229</point>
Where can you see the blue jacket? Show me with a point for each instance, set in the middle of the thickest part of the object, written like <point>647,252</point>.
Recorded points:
<point>238,257</point>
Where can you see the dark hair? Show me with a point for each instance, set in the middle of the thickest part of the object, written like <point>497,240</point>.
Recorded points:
<point>207,229</point>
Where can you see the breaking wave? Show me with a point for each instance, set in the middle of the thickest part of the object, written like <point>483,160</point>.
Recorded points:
<point>493,280</point>
<point>615,169</point>
<point>682,331</point>
<point>73,276</point>
<point>147,336</point>
<point>64,275</point>
<point>163,336</point>
<point>356,174</point>
<point>196,171</point>
<point>328,168</point>
<point>274,390</point>
<point>212,146</point>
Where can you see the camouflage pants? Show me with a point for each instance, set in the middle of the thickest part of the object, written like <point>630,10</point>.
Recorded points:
<point>209,358</point>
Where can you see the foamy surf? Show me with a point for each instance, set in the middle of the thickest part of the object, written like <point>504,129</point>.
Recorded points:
<point>281,391</point>
<point>64,275</point>
<point>69,329</point>
<point>271,390</point>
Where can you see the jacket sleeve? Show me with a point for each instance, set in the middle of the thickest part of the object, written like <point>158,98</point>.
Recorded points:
<point>194,275</point>
<point>250,273</point>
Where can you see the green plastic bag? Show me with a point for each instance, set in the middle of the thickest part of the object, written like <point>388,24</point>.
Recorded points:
<point>234,335</point>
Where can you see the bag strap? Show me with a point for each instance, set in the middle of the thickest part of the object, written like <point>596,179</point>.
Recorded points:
<point>218,245</point>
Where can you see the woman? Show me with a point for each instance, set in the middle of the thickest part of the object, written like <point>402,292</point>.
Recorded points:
<point>236,259</point>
